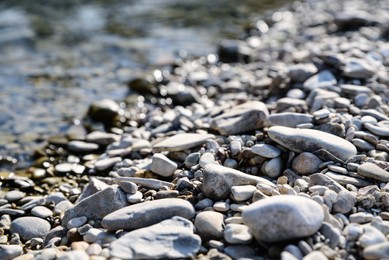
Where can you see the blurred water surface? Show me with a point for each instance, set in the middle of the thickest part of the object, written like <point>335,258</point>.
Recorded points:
<point>59,56</point>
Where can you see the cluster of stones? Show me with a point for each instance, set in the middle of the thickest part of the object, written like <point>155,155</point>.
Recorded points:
<point>278,148</point>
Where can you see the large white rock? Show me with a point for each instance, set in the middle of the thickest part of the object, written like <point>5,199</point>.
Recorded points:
<point>284,217</point>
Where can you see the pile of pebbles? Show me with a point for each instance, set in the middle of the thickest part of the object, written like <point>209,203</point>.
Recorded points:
<point>276,147</point>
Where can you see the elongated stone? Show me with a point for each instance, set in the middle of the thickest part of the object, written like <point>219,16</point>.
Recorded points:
<point>372,171</point>
<point>218,180</point>
<point>180,142</point>
<point>290,119</point>
<point>242,118</point>
<point>147,213</point>
<point>309,140</point>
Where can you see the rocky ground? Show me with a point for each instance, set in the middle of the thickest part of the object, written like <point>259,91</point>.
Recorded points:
<point>276,147</point>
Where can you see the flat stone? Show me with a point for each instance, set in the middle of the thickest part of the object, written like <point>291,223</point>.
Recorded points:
<point>102,138</point>
<point>75,254</point>
<point>266,150</point>
<point>14,195</point>
<point>377,251</point>
<point>77,222</point>
<point>206,158</point>
<point>128,187</point>
<point>209,225</point>
<point>345,179</point>
<point>289,119</point>
<point>148,213</point>
<point>306,163</point>
<point>358,68</point>
<point>9,252</point>
<point>106,163</point>
<point>30,227</point>
<point>170,239</point>
<point>283,217</point>
<point>372,171</point>
<point>242,118</point>
<point>237,234</point>
<point>147,182</point>
<point>41,212</point>
<point>82,147</point>
<point>380,129</point>
<point>63,168</point>
<point>218,180</point>
<point>242,193</point>
<point>308,140</point>
<point>97,205</point>
<point>240,252</point>
<point>180,142</point>
<point>322,79</point>
<point>162,165</point>
<point>315,255</point>
<point>301,72</point>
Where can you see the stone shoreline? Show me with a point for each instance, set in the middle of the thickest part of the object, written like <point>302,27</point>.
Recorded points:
<point>274,148</point>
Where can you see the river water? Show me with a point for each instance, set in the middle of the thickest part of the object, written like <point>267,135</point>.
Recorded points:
<point>59,56</point>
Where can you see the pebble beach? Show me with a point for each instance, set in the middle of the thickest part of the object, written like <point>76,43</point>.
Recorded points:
<point>273,147</point>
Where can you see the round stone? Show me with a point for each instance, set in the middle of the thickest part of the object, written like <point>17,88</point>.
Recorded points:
<point>266,150</point>
<point>30,227</point>
<point>41,212</point>
<point>209,225</point>
<point>306,164</point>
<point>284,217</point>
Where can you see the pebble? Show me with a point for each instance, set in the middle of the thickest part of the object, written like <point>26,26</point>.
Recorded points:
<point>168,239</point>
<point>14,195</point>
<point>147,213</point>
<point>106,163</point>
<point>240,119</point>
<point>218,180</point>
<point>309,140</point>
<point>41,212</point>
<point>102,138</point>
<point>344,202</point>
<point>97,205</point>
<point>162,165</point>
<point>372,171</point>
<point>306,163</point>
<point>209,225</point>
<point>237,234</point>
<point>266,150</point>
<point>371,236</point>
<point>221,206</point>
<point>240,252</point>
<point>242,193</point>
<point>76,222</point>
<point>358,68</point>
<point>323,79</point>
<point>283,217</point>
<point>180,142</point>
<point>361,217</point>
<point>82,147</point>
<point>315,255</point>
<point>273,167</point>
<point>192,159</point>
<point>76,254</point>
<point>380,129</point>
<point>128,187</point>
<point>135,197</point>
<point>30,227</point>
<point>9,252</point>
<point>289,119</point>
<point>206,159</point>
<point>377,251</point>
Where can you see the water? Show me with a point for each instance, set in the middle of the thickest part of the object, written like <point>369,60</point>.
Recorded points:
<point>59,56</point>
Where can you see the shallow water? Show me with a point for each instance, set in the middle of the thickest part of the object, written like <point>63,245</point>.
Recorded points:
<point>59,56</point>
